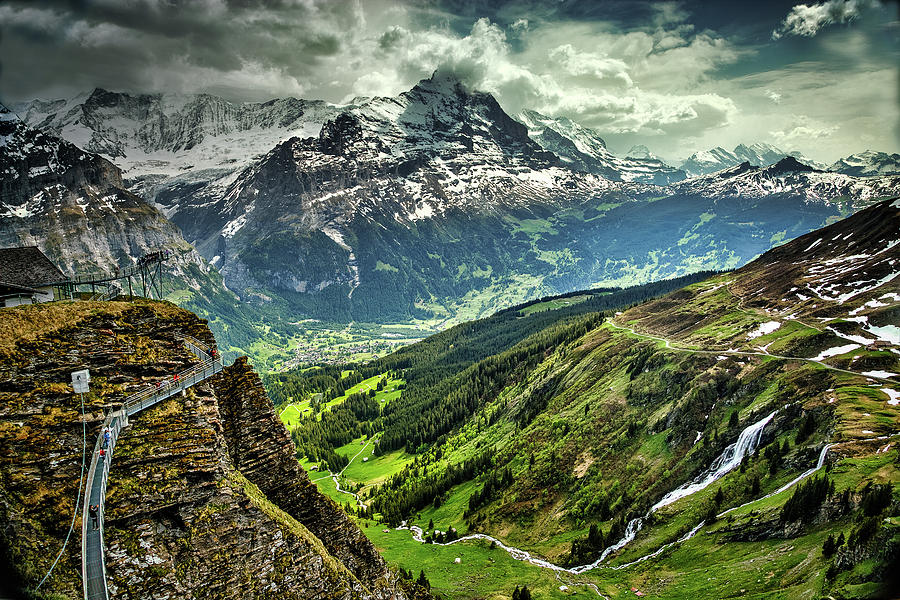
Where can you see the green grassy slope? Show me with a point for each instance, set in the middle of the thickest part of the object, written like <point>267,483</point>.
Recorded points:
<point>553,440</point>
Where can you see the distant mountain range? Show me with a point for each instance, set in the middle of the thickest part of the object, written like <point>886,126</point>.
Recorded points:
<point>582,149</point>
<point>425,205</point>
<point>868,164</point>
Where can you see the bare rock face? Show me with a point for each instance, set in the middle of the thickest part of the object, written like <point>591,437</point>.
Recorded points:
<point>188,511</point>
<point>261,449</point>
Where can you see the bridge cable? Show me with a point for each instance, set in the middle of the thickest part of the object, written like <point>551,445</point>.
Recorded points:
<point>77,498</point>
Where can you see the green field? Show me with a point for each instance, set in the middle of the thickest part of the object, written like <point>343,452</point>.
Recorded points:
<point>553,304</point>
<point>290,415</point>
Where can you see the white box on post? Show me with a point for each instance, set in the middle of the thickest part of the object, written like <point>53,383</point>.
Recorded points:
<point>81,381</point>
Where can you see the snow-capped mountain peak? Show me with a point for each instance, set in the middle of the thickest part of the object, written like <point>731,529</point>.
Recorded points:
<point>582,149</point>
<point>759,154</point>
<point>868,164</point>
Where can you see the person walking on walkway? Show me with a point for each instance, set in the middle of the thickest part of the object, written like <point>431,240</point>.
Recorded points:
<point>95,516</point>
<point>102,454</point>
<point>106,438</point>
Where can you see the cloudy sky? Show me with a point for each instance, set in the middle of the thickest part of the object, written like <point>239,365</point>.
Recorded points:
<point>819,77</point>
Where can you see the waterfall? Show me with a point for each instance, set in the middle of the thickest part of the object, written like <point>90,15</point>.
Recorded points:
<point>730,458</point>
<point>789,484</point>
<point>746,443</point>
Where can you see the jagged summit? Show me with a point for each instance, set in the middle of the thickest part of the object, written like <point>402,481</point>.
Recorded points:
<point>582,149</point>
<point>718,158</point>
<point>443,83</point>
<point>639,151</point>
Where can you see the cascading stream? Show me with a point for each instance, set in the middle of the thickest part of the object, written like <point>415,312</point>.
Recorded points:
<point>731,457</point>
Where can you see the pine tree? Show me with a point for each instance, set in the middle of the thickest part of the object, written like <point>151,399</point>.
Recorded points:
<point>423,581</point>
<point>733,420</point>
<point>517,595</point>
<point>828,546</point>
<point>525,594</point>
<point>719,497</point>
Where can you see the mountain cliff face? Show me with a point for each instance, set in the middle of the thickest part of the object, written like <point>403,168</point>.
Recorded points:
<point>75,207</point>
<point>164,133</point>
<point>384,203</point>
<point>73,204</point>
<point>193,503</point>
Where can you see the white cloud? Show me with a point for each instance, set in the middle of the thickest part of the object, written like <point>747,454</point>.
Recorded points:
<point>634,82</point>
<point>773,96</point>
<point>807,20</point>
<point>804,129</point>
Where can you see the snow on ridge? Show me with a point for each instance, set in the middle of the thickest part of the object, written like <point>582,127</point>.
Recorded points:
<point>764,329</point>
<point>836,351</point>
<point>893,396</point>
<point>233,226</point>
<point>814,244</point>
<point>886,333</point>
<point>879,374</point>
<point>849,336</point>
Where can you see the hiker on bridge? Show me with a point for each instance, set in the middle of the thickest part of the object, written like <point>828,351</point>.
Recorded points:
<point>175,378</point>
<point>106,437</point>
<point>102,453</point>
<point>95,516</point>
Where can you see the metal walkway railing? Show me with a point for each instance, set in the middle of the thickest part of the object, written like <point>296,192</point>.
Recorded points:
<point>93,563</point>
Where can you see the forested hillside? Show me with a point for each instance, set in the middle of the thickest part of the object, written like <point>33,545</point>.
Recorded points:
<point>606,445</point>
<point>448,375</point>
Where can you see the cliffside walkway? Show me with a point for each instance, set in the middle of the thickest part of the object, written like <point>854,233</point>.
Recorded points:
<point>93,563</point>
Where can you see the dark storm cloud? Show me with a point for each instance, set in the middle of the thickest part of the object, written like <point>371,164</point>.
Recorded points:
<point>149,37</point>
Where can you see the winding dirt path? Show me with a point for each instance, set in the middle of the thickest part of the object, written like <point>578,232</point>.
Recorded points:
<point>729,352</point>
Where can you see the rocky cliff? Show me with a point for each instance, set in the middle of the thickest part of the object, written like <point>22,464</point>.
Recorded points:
<point>204,495</point>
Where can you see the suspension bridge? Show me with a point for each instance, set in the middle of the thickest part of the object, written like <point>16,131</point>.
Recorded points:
<point>93,563</point>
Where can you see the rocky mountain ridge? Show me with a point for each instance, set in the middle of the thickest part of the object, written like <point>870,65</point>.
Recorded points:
<point>436,202</point>
<point>868,164</point>
<point>74,204</point>
<point>582,149</point>
<point>789,177</point>
<point>757,154</point>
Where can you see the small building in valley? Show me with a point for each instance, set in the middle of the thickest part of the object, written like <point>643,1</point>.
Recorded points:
<point>27,276</point>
